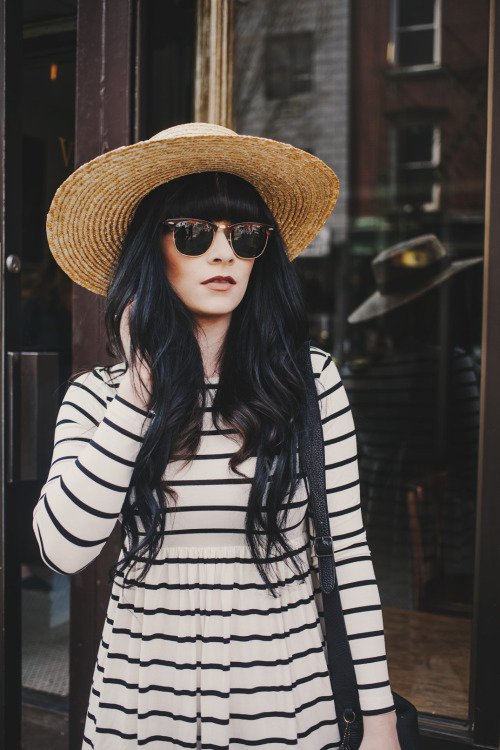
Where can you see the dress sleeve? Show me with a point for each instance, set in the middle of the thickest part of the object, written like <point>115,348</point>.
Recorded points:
<point>97,438</point>
<point>358,590</point>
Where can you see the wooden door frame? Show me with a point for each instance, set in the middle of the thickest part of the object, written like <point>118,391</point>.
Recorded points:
<point>213,94</point>
<point>485,663</point>
<point>104,117</point>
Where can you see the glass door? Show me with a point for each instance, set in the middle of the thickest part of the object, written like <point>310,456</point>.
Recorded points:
<point>393,96</point>
<point>40,57</point>
<point>49,55</point>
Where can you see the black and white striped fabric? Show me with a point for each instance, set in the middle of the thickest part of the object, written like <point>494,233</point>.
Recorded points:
<point>200,655</point>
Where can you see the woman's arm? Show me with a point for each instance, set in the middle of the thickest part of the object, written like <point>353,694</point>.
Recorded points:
<point>358,590</point>
<point>96,443</point>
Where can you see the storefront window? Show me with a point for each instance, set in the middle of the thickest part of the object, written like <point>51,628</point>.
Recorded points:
<point>392,95</point>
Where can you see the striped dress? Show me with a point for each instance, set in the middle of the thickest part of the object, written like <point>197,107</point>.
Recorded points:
<point>200,654</point>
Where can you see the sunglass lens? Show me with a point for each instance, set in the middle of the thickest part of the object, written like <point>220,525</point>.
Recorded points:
<point>193,238</point>
<point>249,240</point>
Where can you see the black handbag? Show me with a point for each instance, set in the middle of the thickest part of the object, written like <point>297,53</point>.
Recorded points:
<point>340,666</point>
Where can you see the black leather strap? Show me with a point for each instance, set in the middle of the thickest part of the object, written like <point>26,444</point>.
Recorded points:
<point>312,458</point>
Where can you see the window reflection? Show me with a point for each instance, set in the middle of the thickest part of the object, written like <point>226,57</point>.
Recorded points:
<point>414,392</point>
<point>288,64</point>
<point>395,102</point>
<point>417,29</point>
<point>416,183</point>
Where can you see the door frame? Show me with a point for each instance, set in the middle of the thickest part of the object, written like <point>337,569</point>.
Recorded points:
<point>485,661</point>
<point>10,245</point>
<point>104,118</point>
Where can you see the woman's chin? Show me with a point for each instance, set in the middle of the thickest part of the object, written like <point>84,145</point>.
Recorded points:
<point>212,310</point>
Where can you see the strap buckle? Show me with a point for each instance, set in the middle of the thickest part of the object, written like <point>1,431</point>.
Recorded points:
<point>323,546</point>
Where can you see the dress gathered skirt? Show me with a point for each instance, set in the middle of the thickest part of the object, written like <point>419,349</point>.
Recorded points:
<point>200,654</point>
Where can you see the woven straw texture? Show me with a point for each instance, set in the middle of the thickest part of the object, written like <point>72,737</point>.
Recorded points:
<point>92,208</point>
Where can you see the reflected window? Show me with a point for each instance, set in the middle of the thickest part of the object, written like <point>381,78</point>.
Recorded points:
<point>417,32</point>
<point>288,64</point>
<point>417,155</point>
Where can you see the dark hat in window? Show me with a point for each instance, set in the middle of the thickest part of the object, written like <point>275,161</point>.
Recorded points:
<point>407,270</point>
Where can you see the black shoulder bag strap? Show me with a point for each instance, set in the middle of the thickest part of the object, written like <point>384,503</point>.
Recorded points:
<point>340,665</point>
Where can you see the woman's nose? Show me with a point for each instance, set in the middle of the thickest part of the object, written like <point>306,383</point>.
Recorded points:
<point>221,245</point>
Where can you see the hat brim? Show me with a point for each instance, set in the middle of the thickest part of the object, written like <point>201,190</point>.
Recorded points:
<point>92,208</point>
<point>378,304</point>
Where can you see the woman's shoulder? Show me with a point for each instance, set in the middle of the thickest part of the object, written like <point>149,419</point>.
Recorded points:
<point>100,381</point>
<point>321,360</point>
<point>111,375</point>
<point>326,372</point>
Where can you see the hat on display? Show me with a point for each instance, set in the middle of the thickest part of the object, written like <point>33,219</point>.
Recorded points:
<point>407,270</point>
<point>92,209</point>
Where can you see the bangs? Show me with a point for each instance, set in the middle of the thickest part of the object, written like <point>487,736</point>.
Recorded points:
<point>216,196</point>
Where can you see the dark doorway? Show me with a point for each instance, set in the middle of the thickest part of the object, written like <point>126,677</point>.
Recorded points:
<point>48,124</point>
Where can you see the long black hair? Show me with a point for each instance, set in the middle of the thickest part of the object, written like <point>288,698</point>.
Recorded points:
<point>260,389</point>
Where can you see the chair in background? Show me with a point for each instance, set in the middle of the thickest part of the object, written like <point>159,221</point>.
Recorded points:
<point>433,589</point>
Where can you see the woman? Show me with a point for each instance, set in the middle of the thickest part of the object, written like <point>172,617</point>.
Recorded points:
<point>214,635</point>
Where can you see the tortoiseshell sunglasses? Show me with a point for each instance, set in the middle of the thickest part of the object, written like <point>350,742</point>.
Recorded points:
<point>248,239</point>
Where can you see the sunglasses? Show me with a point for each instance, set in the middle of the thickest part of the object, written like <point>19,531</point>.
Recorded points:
<point>193,237</point>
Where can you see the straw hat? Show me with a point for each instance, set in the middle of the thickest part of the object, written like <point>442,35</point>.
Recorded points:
<point>92,208</point>
<point>405,271</point>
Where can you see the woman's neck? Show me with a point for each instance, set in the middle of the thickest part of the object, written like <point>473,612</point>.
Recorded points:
<point>210,337</point>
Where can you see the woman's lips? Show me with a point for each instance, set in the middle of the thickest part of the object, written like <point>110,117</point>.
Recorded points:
<point>218,286</point>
